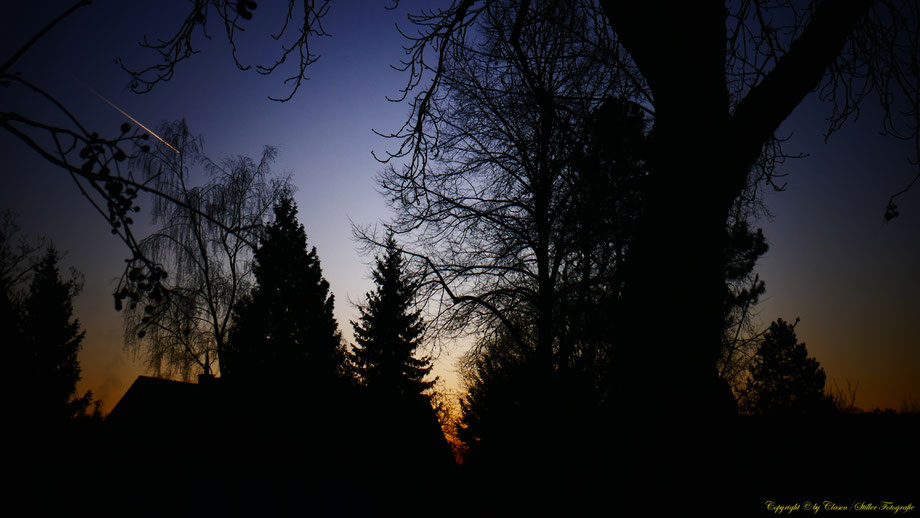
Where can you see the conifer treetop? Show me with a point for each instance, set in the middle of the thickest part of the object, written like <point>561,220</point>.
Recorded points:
<point>389,331</point>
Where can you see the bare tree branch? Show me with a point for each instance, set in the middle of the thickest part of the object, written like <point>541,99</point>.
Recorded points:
<point>232,15</point>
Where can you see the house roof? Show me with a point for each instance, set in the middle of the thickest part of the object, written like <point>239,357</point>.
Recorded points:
<point>155,401</point>
<point>349,428</point>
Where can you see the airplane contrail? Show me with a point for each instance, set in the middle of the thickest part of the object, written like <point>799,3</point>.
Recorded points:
<point>135,121</point>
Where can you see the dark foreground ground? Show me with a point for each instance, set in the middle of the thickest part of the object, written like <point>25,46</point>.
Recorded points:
<point>670,469</point>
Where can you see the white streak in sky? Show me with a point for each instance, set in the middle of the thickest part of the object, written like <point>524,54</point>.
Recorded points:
<point>135,121</point>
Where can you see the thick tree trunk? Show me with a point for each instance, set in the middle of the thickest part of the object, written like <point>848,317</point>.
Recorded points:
<point>666,353</point>
<point>666,357</point>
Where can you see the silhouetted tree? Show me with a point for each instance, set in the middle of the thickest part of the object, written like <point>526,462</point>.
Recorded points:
<point>204,243</point>
<point>751,64</point>
<point>784,380</point>
<point>389,332</point>
<point>41,338</point>
<point>533,192</point>
<point>285,331</point>
<point>525,213</point>
<point>399,422</point>
<point>51,339</point>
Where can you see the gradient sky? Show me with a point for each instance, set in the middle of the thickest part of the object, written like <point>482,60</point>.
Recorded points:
<point>833,262</point>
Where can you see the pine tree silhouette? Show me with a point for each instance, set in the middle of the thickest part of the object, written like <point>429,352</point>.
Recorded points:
<point>52,338</point>
<point>285,330</point>
<point>388,332</point>
<point>784,379</point>
<point>405,429</point>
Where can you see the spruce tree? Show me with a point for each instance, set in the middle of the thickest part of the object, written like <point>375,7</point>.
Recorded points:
<point>389,332</point>
<point>784,379</point>
<point>51,339</point>
<point>285,331</point>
